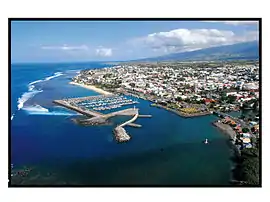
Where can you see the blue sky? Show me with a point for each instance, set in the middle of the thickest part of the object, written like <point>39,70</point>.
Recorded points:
<point>67,41</point>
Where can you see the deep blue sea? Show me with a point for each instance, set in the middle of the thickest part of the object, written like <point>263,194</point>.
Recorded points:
<point>167,150</point>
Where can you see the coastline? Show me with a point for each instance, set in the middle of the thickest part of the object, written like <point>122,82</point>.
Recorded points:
<point>180,113</point>
<point>169,109</point>
<point>225,129</point>
<point>91,87</point>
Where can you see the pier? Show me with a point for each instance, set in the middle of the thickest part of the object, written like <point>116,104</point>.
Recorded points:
<point>144,116</point>
<point>83,111</point>
<point>102,102</point>
<point>134,125</point>
<point>120,133</point>
<point>92,113</point>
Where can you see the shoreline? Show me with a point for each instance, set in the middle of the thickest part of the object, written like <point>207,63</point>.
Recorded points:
<point>225,129</point>
<point>169,109</point>
<point>180,113</point>
<point>229,132</point>
<point>91,87</point>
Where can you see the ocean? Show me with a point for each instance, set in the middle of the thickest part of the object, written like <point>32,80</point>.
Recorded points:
<point>167,150</point>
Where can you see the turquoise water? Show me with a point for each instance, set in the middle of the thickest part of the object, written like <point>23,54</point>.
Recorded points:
<point>167,150</point>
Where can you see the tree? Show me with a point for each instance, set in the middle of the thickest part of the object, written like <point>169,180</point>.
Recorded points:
<point>223,98</point>
<point>245,130</point>
<point>211,105</point>
<point>179,99</point>
<point>231,98</point>
<point>250,166</point>
<point>202,101</point>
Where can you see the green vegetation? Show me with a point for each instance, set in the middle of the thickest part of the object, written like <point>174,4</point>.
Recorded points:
<point>231,99</point>
<point>108,86</point>
<point>250,166</point>
<point>173,106</point>
<point>245,130</point>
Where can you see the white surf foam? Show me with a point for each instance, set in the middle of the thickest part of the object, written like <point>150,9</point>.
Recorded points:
<point>54,76</point>
<point>35,108</point>
<point>32,91</point>
<point>37,81</point>
<point>39,110</point>
<point>31,87</point>
<point>26,96</point>
<point>53,113</point>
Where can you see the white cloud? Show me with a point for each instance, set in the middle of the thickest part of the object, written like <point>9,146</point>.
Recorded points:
<point>179,40</point>
<point>235,22</point>
<point>104,52</point>
<point>241,22</point>
<point>65,47</point>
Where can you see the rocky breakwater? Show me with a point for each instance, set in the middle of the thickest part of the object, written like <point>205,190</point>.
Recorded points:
<point>120,134</point>
<point>92,121</point>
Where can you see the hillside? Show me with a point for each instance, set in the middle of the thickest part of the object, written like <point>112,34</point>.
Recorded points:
<point>248,50</point>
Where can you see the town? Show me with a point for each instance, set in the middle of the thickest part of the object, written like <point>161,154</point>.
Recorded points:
<point>192,89</point>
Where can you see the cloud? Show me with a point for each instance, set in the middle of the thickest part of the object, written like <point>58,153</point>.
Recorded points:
<point>104,52</point>
<point>65,47</point>
<point>180,40</point>
<point>241,22</point>
<point>235,22</point>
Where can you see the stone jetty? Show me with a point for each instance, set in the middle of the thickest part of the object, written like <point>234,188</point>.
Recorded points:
<point>120,134</point>
<point>96,118</point>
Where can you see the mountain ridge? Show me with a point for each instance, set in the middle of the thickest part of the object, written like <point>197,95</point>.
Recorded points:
<point>246,50</point>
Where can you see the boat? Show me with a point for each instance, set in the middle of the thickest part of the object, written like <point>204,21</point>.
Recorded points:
<point>206,141</point>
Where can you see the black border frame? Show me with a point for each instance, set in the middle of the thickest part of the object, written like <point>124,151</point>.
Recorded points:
<point>130,19</point>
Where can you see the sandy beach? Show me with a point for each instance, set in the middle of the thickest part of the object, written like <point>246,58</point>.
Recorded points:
<point>91,87</point>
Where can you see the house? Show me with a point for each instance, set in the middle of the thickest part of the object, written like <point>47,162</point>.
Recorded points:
<point>246,140</point>
<point>246,135</point>
<point>248,145</point>
<point>252,123</point>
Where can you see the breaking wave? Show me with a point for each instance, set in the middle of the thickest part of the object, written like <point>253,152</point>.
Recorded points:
<point>55,75</point>
<point>39,110</point>
<point>35,82</point>
<point>32,91</point>
<point>35,108</point>
<point>26,96</point>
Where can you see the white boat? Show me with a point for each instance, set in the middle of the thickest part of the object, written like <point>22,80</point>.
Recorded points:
<point>206,141</point>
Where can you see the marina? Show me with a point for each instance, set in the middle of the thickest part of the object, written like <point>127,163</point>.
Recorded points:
<point>89,106</point>
<point>102,102</point>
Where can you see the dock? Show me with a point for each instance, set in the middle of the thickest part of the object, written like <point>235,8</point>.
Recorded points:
<point>144,116</point>
<point>134,125</point>
<point>87,112</point>
<point>97,118</point>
